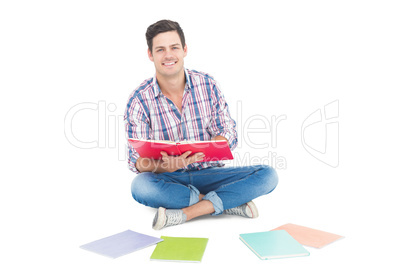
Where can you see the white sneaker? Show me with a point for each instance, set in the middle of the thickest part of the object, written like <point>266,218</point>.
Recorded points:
<point>248,210</point>
<point>168,217</point>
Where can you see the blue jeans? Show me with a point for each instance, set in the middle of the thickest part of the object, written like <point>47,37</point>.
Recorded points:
<point>225,187</point>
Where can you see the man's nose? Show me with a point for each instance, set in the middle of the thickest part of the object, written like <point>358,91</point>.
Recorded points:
<point>169,53</point>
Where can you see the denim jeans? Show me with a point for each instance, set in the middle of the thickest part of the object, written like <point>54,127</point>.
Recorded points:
<point>225,187</point>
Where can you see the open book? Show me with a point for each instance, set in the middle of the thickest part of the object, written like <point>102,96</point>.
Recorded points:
<point>213,150</point>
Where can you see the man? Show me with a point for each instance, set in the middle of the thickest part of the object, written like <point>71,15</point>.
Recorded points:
<point>180,104</point>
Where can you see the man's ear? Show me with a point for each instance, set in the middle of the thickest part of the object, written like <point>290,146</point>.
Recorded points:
<point>150,55</point>
<point>185,50</point>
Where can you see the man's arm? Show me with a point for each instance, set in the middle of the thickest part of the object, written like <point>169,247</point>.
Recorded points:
<point>222,124</point>
<point>137,126</point>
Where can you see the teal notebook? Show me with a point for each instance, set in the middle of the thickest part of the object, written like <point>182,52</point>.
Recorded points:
<point>188,249</point>
<point>273,245</point>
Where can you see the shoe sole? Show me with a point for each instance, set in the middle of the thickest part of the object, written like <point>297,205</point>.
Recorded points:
<point>253,209</point>
<point>160,222</point>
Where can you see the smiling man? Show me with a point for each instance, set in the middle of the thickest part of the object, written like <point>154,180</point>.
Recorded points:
<point>168,55</point>
<point>180,104</point>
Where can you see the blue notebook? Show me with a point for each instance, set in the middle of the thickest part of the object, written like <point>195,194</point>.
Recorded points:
<point>121,244</point>
<point>273,245</point>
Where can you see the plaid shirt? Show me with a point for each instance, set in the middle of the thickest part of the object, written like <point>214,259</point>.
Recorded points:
<point>205,114</point>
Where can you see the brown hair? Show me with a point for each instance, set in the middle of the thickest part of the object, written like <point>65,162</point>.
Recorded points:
<point>161,27</point>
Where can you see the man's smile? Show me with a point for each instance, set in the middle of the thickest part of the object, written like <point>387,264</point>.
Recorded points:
<point>169,63</point>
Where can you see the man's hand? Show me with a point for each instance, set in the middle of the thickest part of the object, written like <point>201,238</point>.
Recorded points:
<point>173,163</point>
<point>219,138</point>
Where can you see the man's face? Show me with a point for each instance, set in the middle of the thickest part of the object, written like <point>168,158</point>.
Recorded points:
<point>168,54</point>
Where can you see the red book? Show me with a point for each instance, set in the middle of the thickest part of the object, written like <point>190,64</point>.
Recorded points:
<point>213,150</point>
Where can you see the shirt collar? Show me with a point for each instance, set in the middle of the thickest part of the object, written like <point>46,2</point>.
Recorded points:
<point>187,87</point>
<point>158,91</point>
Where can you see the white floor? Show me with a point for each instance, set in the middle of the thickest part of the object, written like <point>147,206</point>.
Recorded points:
<point>86,205</point>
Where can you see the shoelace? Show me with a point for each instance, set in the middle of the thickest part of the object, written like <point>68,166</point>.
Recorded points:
<point>173,218</point>
<point>235,211</point>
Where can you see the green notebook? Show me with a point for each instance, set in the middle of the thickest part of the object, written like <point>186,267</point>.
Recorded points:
<point>273,245</point>
<point>188,249</point>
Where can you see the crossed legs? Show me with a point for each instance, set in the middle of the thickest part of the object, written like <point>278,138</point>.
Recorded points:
<point>209,191</point>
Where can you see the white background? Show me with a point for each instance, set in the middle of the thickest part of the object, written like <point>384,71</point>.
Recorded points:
<point>272,58</point>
